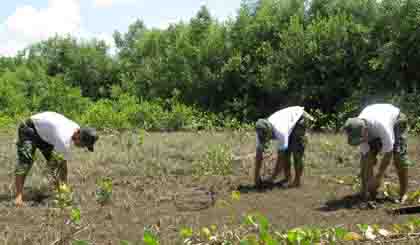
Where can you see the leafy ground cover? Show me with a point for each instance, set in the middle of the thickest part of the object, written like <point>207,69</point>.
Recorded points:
<point>196,188</point>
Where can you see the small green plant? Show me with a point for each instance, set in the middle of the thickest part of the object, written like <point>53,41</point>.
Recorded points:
<point>256,230</point>
<point>75,216</point>
<point>236,196</point>
<point>150,238</point>
<point>64,201</point>
<point>103,190</point>
<point>186,233</point>
<point>262,225</point>
<point>217,161</point>
<point>63,196</point>
<point>141,136</point>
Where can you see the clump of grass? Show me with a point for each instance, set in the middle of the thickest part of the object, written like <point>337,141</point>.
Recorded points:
<point>216,161</point>
<point>103,190</point>
<point>63,196</point>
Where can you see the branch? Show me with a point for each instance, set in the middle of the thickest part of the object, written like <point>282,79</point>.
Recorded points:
<point>68,236</point>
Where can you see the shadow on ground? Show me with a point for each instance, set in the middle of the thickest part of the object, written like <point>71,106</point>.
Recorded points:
<point>32,197</point>
<point>265,186</point>
<point>5,197</point>
<point>354,201</point>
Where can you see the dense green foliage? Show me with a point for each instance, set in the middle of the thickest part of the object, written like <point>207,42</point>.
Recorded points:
<point>331,56</point>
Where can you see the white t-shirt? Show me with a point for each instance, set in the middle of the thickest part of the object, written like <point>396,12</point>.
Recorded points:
<point>380,119</point>
<point>56,130</point>
<point>283,122</point>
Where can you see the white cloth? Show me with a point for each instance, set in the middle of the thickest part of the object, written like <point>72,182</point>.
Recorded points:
<point>380,119</point>
<point>283,122</point>
<point>56,130</point>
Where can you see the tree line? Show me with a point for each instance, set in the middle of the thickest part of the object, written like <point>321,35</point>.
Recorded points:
<point>331,56</point>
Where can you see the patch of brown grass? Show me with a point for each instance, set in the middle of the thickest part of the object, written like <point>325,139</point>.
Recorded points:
<point>147,178</point>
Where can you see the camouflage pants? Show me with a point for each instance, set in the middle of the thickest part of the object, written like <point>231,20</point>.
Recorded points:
<point>400,144</point>
<point>27,144</point>
<point>297,142</point>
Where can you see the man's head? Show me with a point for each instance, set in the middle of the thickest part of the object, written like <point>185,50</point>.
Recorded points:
<point>355,129</point>
<point>86,137</point>
<point>264,131</point>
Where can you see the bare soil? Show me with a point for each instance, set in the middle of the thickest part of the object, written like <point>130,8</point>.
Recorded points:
<point>154,187</point>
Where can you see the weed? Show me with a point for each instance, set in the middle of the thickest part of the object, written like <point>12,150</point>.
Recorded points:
<point>103,190</point>
<point>63,196</point>
<point>217,161</point>
<point>149,238</point>
<point>148,176</point>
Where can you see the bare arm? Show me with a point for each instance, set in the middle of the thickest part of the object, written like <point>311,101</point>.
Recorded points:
<point>386,160</point>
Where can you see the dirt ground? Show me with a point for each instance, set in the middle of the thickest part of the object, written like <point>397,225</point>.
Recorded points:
<point>154,186</point>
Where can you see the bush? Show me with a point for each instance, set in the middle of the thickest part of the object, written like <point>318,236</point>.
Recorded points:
<point>150,115</point>
<point>6,122</point>
<point>409,104</point>
<point>102,115</point>
<point>62,98</point>
<point>12,95</point>
<point>180,116</point>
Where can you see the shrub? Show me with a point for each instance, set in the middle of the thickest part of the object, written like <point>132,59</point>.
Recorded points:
<point>12,96</point>
<point>180,116</point>
<point>102,115</point>
<point>62,98</point>
<point>150,115</point>
<point>6,122</point>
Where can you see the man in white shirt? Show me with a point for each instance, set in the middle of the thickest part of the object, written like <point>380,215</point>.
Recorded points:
<point>53,134</point>
<point>380,127</point>
<point>288,127</point>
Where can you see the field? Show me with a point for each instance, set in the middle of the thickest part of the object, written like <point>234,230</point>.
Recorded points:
<point>170,181</point>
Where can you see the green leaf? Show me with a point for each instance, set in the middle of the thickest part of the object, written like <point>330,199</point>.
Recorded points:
<point>149,238</point>
<point>186,232</point>
<point>236,195</point>
<point>268,239</point>
<point>362,227</point>
<point>249,220</point>
<point>125,242</point>
<point>103,190</point>
<point>292,237</point>
<point>340,233</point>
<point>75,215</point>
<point>141,135</point>
<point>263,223</point>
<point>80,242</point>
<point>300,236</point>
<point>415,221</point>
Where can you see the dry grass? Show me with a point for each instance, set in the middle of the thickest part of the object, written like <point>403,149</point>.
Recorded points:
<point>148,176</point>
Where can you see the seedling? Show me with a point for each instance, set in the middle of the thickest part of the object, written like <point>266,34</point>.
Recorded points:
<point>103,190</point>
